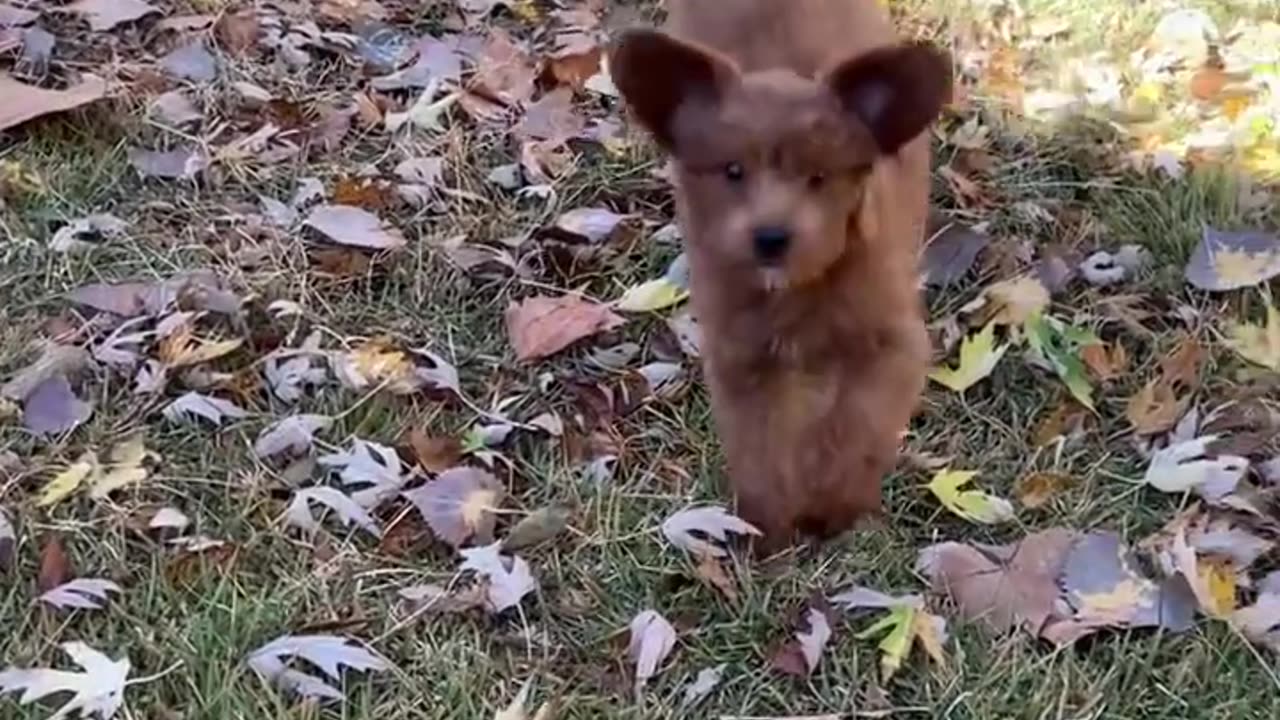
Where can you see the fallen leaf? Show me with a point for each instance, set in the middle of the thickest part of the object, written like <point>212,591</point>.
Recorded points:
<point>1105,362</point>
<point>1260,622</point>
<point>1059,344</point>
<point>1017,586</point>
<point>972,505</point>
<point>104,15</point>
<point>1187,467</point>
<point>325,652</point>
<point>194,405</point>
<point>65,483</point>
<point>26,101</point>
<point>536,528</point>
<point>178,164</point>
<point>542,326</point>
<point>1233,260</point>
<point>687,529</point>
<point>1037,489</point>
<point>458,505</point>
<point>183,349</point>
<point>951,253</point>
<point>1155,408</point>
<point>169,518</point>
<point>81,593</point>
<point>859,597</point>
<point>99,690</point>
<point>354,227</point>
<point>800,655</point>
<point>508,577</point>
<point>122,469</point>
<point>434,454</point>
<point>55,564</point>
<point>1010,302</point>
<point>53,409</point>
<point>293,434</point>
<point>594,225</point>
<point>901,628</point>
<point>54,360</point>
<point>978,358</point>
<point>1212,583</point>
<point>651,296</point>
<point>652,640</point>
<point>369,464</point>
<point>87,233</point>
<point>707,680</point>
<point>441,600</point>
<point>1104,589</point>
<point>1258,344</point>
<point>298,514</point>
<point>192,61</point>
<point>712,571</point>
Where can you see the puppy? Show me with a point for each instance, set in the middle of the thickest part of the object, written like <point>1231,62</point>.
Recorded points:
<point>802,180</point>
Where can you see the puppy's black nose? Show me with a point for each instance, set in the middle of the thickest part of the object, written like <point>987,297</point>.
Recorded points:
<point>771,242</point>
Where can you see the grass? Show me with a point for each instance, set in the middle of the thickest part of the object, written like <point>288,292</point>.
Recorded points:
<point>189,629</point>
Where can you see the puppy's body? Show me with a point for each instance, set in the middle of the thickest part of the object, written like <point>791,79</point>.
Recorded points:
<point>802,184</point>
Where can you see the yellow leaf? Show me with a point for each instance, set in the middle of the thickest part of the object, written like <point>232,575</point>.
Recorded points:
<point>1259,345</point>
<point>931,631</point>
<point>895,645</point>
<point>978,357</point>
<point>1221,581</point>
<point>1011,302</point>
<point>1238,268</point>
<point>376,362</point>
<point>972,505</point>
<point>652,295</point>
<point>125,469</point>
<point>65,483</point>
<point>475,505</point>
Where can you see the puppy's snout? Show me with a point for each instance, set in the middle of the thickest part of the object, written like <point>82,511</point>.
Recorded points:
<point>771,242</point>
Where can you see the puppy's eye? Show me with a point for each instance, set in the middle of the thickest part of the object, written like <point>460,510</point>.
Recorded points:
<point>817,181</point>
<point>734,173</point>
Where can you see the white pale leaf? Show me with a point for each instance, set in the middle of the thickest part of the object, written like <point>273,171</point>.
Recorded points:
<point>328,653</point>
<point>369,464</point>
<point>712,521</point>
<point>509,578</point>
<point>1184,467</point>
<point>708,679</point>
<point>814,640</point>
<point>289,378</point>
<point>98,691</point>
<point>83,593</point>
<point>859,597</point>
<point>169,517</point>
<point>348,511</point>
<point>355,227</point>
<point>294,434</point>
<point>652,639</point>
<point>195,405</point>
<point>443,375</point>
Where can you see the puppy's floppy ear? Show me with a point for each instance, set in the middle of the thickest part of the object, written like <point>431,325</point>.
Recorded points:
<point>658,75</point>
<point>895,91</point>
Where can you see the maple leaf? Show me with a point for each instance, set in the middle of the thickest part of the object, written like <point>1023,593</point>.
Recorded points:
<point>458,505</point>
<point>293,434</point>
<point>972,505</point>
<point>683,529</point>
<point>65,483</point>
<point>1186,466</point>
<point>326,652</point>
<point>99,690</point>
<point>508,577</point>
<point>543,326</point>
<point>298,514</point>
<point>195,405</point>
<point>978,358</point>
<point>367,463</point>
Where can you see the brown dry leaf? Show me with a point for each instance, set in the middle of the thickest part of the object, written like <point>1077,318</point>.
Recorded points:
<point>542,326</point>
<point>238,32</point>
<point>712,571</point>
<point>55,564</point>
<point>1155,408</point>
<point>505,73</point>
<point>1037,489</point>
<point>1183,365</point>
<point>340,262</point>
<point>1106,362</point>
<point>800,655</point>
<point>434,454</point>
<point>1068,419</point>
<point>363,192</point>
<point>459,504</point>
<point>182,349</point>
<point>552,119</point>
<point>23,102</point>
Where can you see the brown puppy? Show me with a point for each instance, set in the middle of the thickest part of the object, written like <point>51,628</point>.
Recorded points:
<point>802,181</point>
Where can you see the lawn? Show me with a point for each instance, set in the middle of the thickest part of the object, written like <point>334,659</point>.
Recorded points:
<point>521,180</point>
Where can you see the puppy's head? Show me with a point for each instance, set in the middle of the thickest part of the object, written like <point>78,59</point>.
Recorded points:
<point>774,165</point>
